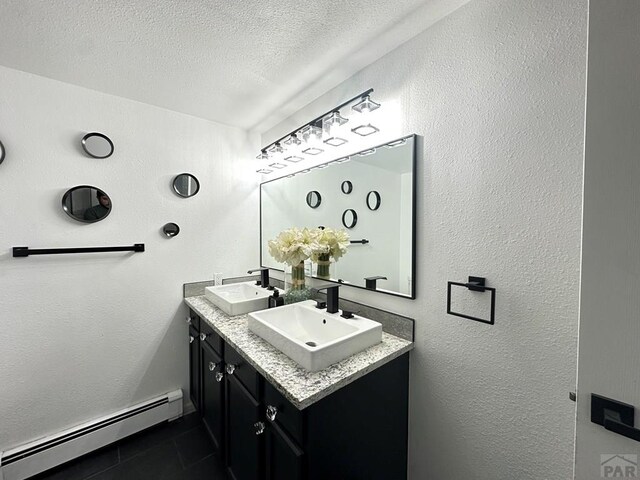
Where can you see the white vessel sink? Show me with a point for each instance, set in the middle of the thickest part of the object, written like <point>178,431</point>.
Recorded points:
<point>238,298</point>
<point>312,337</point>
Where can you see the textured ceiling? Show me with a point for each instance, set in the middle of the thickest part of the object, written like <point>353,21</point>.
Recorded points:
<point>236,62</point>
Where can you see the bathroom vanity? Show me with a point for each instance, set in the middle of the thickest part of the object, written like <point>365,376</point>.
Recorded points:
<point>272,419</point>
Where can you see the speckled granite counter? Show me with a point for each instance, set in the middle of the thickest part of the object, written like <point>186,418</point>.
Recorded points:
<point>301,387</point>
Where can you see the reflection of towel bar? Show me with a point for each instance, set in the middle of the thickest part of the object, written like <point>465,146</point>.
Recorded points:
<point>364,241</point>
<point>476,284</point>
<point>26,251</point>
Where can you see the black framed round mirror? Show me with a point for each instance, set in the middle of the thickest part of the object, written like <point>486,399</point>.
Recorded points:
<point>86,204</point>
<point>171,230</point>
<point>349,218</point>
<point>373,200</point>
<point>97,145</point>
<point>2,152</point>
<point>346,187</point>
<point>186,185</point>
<point>314,199</point>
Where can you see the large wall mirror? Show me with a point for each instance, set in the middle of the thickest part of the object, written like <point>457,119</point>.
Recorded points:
<point>390,228</point>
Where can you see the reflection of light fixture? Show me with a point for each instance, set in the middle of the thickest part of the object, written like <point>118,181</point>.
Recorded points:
<point>366,105</point>
<point>311,134</point>
<point>277,165</point>
<point>364,153</point>
<point>365,130</point>
<point>324,165</point>
<point>264,171</point>
<point>304,171</point>
<point>335,141</point>
<point>294,159</point>
<point>312,151</point>
<point>263,155</point>
<point>396,143</point>
<point>342,160</point>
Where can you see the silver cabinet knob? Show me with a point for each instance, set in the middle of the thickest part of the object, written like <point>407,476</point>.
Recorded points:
<point>212,366</point>
<point>189,321</point>
<point>259,426</point>
<point>271,412</point>
<point>203,336</point>
<point>230,368</point>
<point>219,376</point>
<point>191,339</point>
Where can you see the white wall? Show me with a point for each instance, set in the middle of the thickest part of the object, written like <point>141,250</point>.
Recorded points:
<point>496,89</point>
<point>84,335</point>
<point>609,328</point>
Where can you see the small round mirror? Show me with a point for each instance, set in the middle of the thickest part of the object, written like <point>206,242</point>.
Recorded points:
<point>1,152</point>
<point>373,200</point>
<point>346,187</point>
<point>186,185</point>
<point>86,204</point>
<point>349,218</point>
<point>171,229</point>
<point>97,145</point>
<point>314,199</point>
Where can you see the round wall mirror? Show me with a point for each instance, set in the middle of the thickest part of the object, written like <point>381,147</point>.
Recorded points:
<point>186,185</point>
<point>171,229</point>
<point>349,218</point>
<point>373,200</point>
<point>346,187</point>
<point>97,145</point>
<point>1,152</point>
<point>314,199</point>
<point>86,204</point>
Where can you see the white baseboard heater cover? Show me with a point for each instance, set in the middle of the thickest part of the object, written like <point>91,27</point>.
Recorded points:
<point>34,457</point>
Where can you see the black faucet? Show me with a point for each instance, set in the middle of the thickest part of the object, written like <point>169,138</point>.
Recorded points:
<point>370,282</point>
<point>264,275</point>
<point>332,296</point>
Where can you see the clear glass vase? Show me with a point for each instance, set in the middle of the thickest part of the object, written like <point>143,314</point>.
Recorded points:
<point>295,283</point>
<point>323,266</point>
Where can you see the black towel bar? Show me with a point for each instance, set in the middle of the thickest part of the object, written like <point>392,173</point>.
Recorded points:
<point>26,251</point>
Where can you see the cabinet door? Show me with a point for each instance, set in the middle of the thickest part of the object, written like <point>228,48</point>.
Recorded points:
<point>213,394</point>
<point>245,432</point>
<point>284,459</point>
<point>194,368</point>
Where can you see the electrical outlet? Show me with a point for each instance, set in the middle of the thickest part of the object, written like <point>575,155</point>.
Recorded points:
<point>217,279</point>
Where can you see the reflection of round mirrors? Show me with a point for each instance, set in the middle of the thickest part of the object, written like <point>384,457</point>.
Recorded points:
<point>171,229</point>
<point>97,145</point>
<point>1,152</point>
<point>349,218</point>
<point>86,204</point>
<point>346,187</point>
<point>186,185</point>
<point>314,199</point>
<point>373,200</point>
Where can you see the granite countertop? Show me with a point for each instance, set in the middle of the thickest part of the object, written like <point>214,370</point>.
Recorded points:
<point>300,386</point>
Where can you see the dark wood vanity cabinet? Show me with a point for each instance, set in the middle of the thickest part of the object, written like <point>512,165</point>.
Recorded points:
<point>359,431</point>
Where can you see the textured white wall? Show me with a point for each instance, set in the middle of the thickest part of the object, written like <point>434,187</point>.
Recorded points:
<point>496,89</point>
<point>84,335</point>
<point>609,311</point>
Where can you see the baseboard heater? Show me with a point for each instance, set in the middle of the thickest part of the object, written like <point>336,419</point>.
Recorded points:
<point>34,457</point>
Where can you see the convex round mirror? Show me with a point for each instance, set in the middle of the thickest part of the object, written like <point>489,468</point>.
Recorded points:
<point>373,200</point>
<point>186,185</point>
<point>314,199</point>
<point>1,152</point>
<point>349,218</point>
<point>97,145</point>
<point>86,204</point>
<point>346,187</point>
<point>171,229</point>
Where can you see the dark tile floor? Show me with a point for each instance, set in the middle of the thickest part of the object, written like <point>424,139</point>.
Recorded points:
<point>178,450</point>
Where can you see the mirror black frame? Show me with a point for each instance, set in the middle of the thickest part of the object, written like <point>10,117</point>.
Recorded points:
<point>175,189</point>
<point>2,152</point>
<point>310,197</point>
<point>414,216</point>
<point>344,218</point>
<point>96,134</point>
<point>82,220</point>
<point>378,200</point>
<point>348,185</point>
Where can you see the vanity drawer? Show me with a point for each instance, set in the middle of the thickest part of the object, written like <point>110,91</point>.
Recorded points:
<point>193,320</point>
<point>240,368</point>
<point>211,337</point>
<point>288,417</point>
